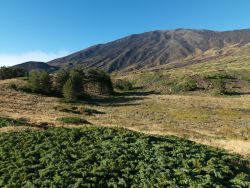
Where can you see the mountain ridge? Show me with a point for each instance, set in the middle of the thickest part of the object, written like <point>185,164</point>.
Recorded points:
<point>36,66</point>
<point>150,49</point>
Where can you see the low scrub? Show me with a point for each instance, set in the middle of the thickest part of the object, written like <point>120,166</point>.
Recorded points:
<point>5,122</point>
<point>109,157</point>
<point>72,120</point>
<point>123,85</point>
<point>186,84</point>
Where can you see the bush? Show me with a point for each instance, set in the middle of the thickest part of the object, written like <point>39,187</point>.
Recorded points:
<point>123,85</point>
<point>101,79</point>
<point>4,122</point>
<point>219,86</point>
<point>187,84</point>
<point>72,120</point>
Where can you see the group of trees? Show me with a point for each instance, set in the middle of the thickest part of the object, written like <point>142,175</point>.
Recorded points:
<point>70,84</point>
<point>11,72</point>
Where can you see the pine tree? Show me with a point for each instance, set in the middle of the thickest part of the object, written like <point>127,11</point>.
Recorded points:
<point>69,90</point>
<point>44,82</point>
<point>34,82</point>
<point>60,79</point>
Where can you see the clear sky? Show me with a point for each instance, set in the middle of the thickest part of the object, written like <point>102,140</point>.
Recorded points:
<point>46,29</point>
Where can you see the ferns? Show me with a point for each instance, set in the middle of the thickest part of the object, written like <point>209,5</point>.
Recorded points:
<point>102,157</point>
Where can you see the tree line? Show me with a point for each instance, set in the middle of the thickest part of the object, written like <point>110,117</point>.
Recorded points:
<point>70,84</point>
<point>11,72</point>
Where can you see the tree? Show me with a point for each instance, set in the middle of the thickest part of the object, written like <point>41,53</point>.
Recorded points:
<point>34,82</point>
<point>69,90</point>
<point>59,80</point>
<point>11,72</point>
<point>77,76</point>
<point>73,88</point>
<point>102,79</point>
<point>44,82</point>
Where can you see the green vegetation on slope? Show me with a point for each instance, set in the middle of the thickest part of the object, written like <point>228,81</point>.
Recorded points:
<point>5,122</point>
<point>212,72</point>
<point>72,120</point>
<point>102,157</point>
<point>11,72</point>
<point>72,85</point>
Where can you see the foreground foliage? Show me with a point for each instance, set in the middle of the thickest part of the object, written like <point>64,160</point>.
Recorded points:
<point>5,122</point>
<point>102,157</point>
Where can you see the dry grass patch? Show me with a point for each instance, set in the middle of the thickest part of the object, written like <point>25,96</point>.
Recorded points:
<point>205,119</point>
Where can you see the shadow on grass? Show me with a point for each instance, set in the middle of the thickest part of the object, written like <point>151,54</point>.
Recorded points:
<point>235,93</point>
<point>136,93</point>
<point>6,121</point>
<point>120,99</point>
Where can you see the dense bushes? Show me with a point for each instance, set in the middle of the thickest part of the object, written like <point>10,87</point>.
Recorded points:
<point>219,86</point>
<point>11,72</point>
<point>40,82</point>
<point>5,122</point>
<point>98,82</point>
<point>72,120</point>
<point>70,84</point>
<point>219,82</point>
<point>185,84</point>
<point>123,85</point>
<point>105,157</point>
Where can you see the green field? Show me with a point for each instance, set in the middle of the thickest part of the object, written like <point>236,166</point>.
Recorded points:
<point>114,157</point>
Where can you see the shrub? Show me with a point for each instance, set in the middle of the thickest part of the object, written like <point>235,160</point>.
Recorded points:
<point>219,86</point>
<point>4,122</point>
<point>112,157</point>
<point>187,84</point>
<point>123,85</point>
<point>101,79</point>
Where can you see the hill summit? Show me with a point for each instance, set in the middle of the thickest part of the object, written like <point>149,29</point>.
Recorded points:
<point>151,48</point>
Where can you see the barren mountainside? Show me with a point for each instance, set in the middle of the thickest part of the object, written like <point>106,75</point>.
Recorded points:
<point>151,48</point>
<point>36,66</point>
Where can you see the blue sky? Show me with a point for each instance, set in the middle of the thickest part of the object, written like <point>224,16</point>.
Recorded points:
<point>46,29</point>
